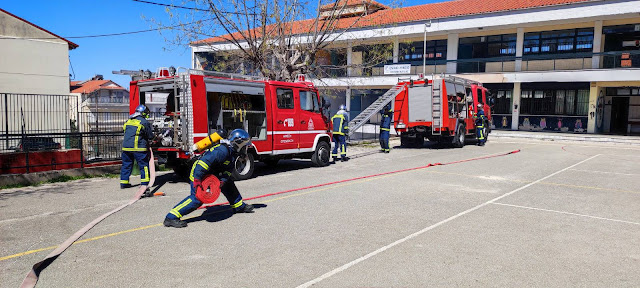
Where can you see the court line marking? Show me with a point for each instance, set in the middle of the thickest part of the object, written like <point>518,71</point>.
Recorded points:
<point>416,234</point>
<point>541,183</point>
<point>606,172</point>
<point>573,143</point>
<point>567,213</point>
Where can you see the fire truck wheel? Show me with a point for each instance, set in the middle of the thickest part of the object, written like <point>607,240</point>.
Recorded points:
<point>320,157</point>
<point>419,141</point>
<point>458,140</point>
<point>244,167</point>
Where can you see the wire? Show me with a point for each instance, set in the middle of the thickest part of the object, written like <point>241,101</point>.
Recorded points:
<point>111,34</point>
<point>192,8</point>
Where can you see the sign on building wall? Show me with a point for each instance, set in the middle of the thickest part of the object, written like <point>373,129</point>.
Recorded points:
<point>397,69</point>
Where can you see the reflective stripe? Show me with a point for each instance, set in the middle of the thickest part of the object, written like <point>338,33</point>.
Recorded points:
<point>176,210</point>
<point>203,164</point>
<point>137,137</point>
<point>214,147</point>
<point>237,204</point>
<point>175,213</point>
<point>146,175</point>
<point>134,149</point>
<point>227,162</point>
<point>227,173</point>
<point>193,168</point>
<point>385,129</point>
<point>338,133</point>
<point>124,181</point>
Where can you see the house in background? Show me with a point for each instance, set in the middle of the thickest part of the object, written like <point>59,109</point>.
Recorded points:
<point>103,104</point>
<point>34,79</point>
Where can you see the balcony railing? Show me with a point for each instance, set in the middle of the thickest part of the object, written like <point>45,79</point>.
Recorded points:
<point>550,62</point>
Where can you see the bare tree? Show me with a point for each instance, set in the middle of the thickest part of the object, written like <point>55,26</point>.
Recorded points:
<point>277,39</point>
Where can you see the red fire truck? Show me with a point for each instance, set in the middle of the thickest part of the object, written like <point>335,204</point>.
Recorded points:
<point>285,120</point>
<point>440,110</point>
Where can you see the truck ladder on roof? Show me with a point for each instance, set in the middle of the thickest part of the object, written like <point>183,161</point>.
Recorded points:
<point>376,106</point>
<point>436,106</point>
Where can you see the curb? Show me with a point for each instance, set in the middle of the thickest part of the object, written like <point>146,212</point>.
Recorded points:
<point>596,139</point>
<point>36,177</point>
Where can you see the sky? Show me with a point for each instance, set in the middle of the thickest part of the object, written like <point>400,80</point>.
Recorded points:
<point>68,18</point>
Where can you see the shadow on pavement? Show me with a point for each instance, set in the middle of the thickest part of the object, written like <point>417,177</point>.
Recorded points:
<point>219,213</point>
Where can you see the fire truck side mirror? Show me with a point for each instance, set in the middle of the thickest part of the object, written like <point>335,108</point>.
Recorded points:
<point>492,100</point>
<point>325,102</point>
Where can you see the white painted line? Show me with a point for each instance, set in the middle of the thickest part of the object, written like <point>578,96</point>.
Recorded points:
<point>571,144</point>
<point>400,241</point>
<point>605,172</point>
<point>567,213</point>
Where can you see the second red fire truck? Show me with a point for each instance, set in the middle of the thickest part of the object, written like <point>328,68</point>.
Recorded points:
<point>441,110</point>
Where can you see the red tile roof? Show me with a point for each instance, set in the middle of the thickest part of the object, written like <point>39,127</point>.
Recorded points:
<point>71,44</point>
<point>354,3</point>
<point>439,10</point>
<point>93,85</point>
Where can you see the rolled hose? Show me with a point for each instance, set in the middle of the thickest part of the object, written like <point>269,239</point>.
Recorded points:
<point>210,190</point>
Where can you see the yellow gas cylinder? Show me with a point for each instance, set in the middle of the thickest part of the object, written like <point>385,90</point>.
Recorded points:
<point>206,142</point>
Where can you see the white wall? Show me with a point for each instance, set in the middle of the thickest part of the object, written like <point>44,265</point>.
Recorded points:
<point>34,67</point>
<point>30,64</point>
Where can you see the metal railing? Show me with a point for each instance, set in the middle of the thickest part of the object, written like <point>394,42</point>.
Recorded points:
<point>544,62</point>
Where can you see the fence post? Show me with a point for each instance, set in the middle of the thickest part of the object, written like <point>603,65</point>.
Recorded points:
<point>6,118</point>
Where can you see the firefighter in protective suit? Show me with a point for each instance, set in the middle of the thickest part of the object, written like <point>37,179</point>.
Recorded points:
<point>385,127</point>
<point>218,161</point>
<point>340,130</point>
<point>135,146</point>
<point>480,122</point>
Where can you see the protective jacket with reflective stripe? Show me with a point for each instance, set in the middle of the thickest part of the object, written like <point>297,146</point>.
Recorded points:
<point>480,119</point>
<point>217,160</point>
<point>340,124</point>
<point>137,134</point>
<point>385,124</point>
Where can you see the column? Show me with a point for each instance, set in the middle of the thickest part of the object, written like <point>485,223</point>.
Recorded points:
<point>594,92</point>
<point>349,52</point>
<point>452,52</point>
<point>597,44</point>
<point>396,49</point>
<point>519,48</point>
<point>347,98</point>
<point>515,114</point>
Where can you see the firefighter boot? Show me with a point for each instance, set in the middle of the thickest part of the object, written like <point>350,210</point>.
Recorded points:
<point>177,223</point>
<point>248,208</point>
<point>125,186</point>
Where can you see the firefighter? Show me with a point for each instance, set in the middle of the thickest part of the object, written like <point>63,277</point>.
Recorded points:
<point>385,127</point>
<point>340,131</point>
<point>217,161</point>
<point>480,122</point>
<point>135,146</point>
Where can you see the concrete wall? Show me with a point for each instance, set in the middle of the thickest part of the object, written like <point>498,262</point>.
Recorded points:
<point>31,66</point>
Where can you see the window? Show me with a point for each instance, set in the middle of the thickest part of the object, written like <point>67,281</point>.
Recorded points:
<point>501,45</point>
<point>582,105</point>
<point>412,51</point>
<point>503,102</point>
<point>309,101</point>
<point>559,41</point>
<point>560,101</point>
<point>285,98</point>
<point>571,102</point>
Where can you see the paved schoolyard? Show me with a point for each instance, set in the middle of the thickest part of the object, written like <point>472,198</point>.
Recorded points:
<point>555,214</point>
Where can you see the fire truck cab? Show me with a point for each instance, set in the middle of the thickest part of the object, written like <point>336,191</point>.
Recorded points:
<point>441,110</point>
<point>285,120</point>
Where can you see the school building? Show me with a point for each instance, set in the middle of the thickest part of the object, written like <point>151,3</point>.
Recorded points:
<point>552,65</point>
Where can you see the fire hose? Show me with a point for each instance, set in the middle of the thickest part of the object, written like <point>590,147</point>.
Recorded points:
<point>32,277</point>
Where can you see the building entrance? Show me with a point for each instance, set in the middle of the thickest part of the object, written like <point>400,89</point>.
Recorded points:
<point>619,115</point>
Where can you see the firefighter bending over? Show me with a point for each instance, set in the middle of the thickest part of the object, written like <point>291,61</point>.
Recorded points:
<point>480,122</point>
<point>135,146</point>
<point>218,161</point>
<point>385,127</point>
<point>340,130</point>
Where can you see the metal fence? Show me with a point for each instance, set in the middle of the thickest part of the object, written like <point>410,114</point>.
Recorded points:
<point>53,132</point>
